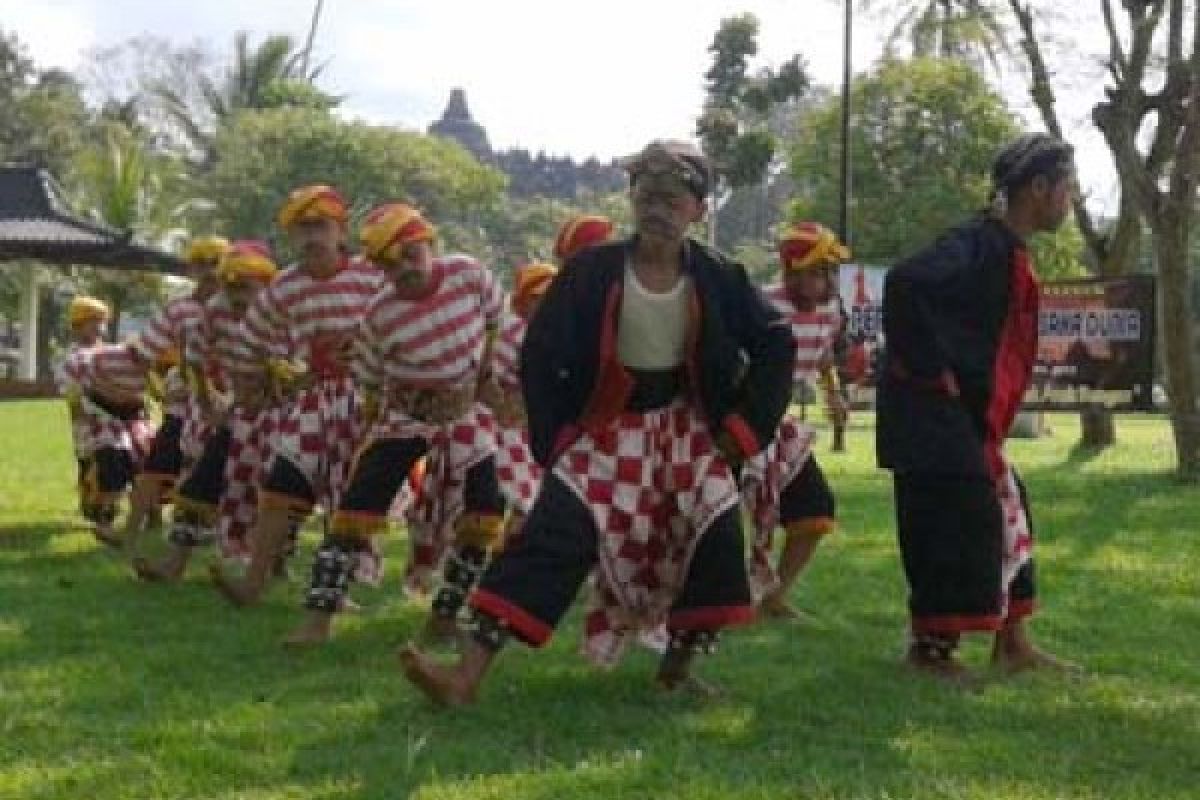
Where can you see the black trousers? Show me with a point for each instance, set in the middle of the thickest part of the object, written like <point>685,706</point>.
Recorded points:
<point>532,582</point>
<point>383,466</point>
<point>808,496</point>
<point>951,534</point>
<point>165,458</point>
<point>205,483</point>
<point>114,470</point>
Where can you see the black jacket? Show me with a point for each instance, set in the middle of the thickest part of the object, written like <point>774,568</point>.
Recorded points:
<point>944,310</point>
<point>739,358</point>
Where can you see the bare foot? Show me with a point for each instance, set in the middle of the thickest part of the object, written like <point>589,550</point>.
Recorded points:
<point>315,630</point>
<point>1030,658</point>
<point>168,570</point>
<point>239,593</point>
<point>776,608</point>
<point>106,536</point>
<point>689,684</point>
<point>949,670</point>
<point>349,606</point>
<point>439,683</point>
<point>440,631</point>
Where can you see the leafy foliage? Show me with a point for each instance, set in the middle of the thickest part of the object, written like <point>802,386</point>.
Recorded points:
<point>925,133</point>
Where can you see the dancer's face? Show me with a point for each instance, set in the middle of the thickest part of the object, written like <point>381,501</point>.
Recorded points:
<point>1051,201</point>
<point>241,293</point>
<point>812,286</point>
<point>412,267</point>
<point>318,240</point>
<point>91,331</point>
<point>204,273</point>
<point>663,203</point>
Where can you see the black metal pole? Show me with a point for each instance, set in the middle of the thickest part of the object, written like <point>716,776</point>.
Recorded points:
<point>847,72</point>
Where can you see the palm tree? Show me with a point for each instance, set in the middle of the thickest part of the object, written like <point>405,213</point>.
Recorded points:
<point>968,30</point>
<point>126,186</point>
<point>272,74</point>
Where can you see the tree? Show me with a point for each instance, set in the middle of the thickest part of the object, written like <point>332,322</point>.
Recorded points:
<point>1150,120</point>
<point>272,75</point>
<point>127,186</point>
<point>43,120</point>
<point>44,116</point>
<point>734,125</point>
<point>971,31</point>
<point>126,79</point>
<point>262,155</point>
<point>927,131</point>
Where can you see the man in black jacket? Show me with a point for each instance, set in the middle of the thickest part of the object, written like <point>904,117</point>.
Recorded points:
<point>652,369</point>
<point>960,320</point>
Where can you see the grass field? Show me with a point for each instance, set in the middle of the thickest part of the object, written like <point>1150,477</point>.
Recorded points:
<point>110,689</point>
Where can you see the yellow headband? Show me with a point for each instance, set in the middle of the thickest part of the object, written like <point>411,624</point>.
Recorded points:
<point>86,309</point>
<point>388,228</point>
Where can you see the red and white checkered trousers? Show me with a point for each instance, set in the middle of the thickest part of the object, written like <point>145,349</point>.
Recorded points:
<point>519,475</point>
<point>764,478</point>
<point>319,435</point>
<point>453,450</point>
<point>104,430</point>
<point>654,483</point>
<point>196,430</point>
<point>1018,537</point>
<point>250,433</point>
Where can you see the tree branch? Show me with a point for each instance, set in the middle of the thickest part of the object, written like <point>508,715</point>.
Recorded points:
<point>1043,97</point>
<point>1169,105</point>
<point>1175,33</point>
<point>1117,65</point>
<point>1186,175</point>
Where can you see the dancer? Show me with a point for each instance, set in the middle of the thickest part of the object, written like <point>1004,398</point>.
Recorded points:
<point>784,485</point>
<point>421,350</point>
<point>961,321</point>
<point>651,369</point>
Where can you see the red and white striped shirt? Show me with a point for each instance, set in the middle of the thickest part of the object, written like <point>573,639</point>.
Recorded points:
<point>311,319</point>
<point>170,328</point>
<point>69,375</point>
<point>435,342</point>
<point>113,370</point>
<point>226,347</point>
<point>506,352</point>
<point>813,331</point>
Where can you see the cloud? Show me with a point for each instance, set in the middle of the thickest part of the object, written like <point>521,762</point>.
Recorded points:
<point>564,77</point>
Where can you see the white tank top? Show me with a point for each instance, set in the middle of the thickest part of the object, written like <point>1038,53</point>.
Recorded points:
<point>652,326</point>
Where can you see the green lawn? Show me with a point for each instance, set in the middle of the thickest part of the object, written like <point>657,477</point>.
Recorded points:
<point>110,689</point>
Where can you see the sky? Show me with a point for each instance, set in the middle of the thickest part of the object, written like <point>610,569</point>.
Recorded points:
<point>562,76</point>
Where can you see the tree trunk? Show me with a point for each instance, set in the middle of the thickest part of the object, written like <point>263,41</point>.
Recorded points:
<point>1171,237</point>
<point>1115,255</point>
<point>1096,428</point>
<point>49,323</point>
<point>114,323</point>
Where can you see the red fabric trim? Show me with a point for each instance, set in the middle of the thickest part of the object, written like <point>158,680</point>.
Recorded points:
<point>957,623</point>
<point>613,383</point>
<point>692,348</point>
<point>566,437</point>
<point>527,627</point>
<point>1012,369</point>
<point>742,433</point>
<point>1020,609</point>
<point>711,618</point>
